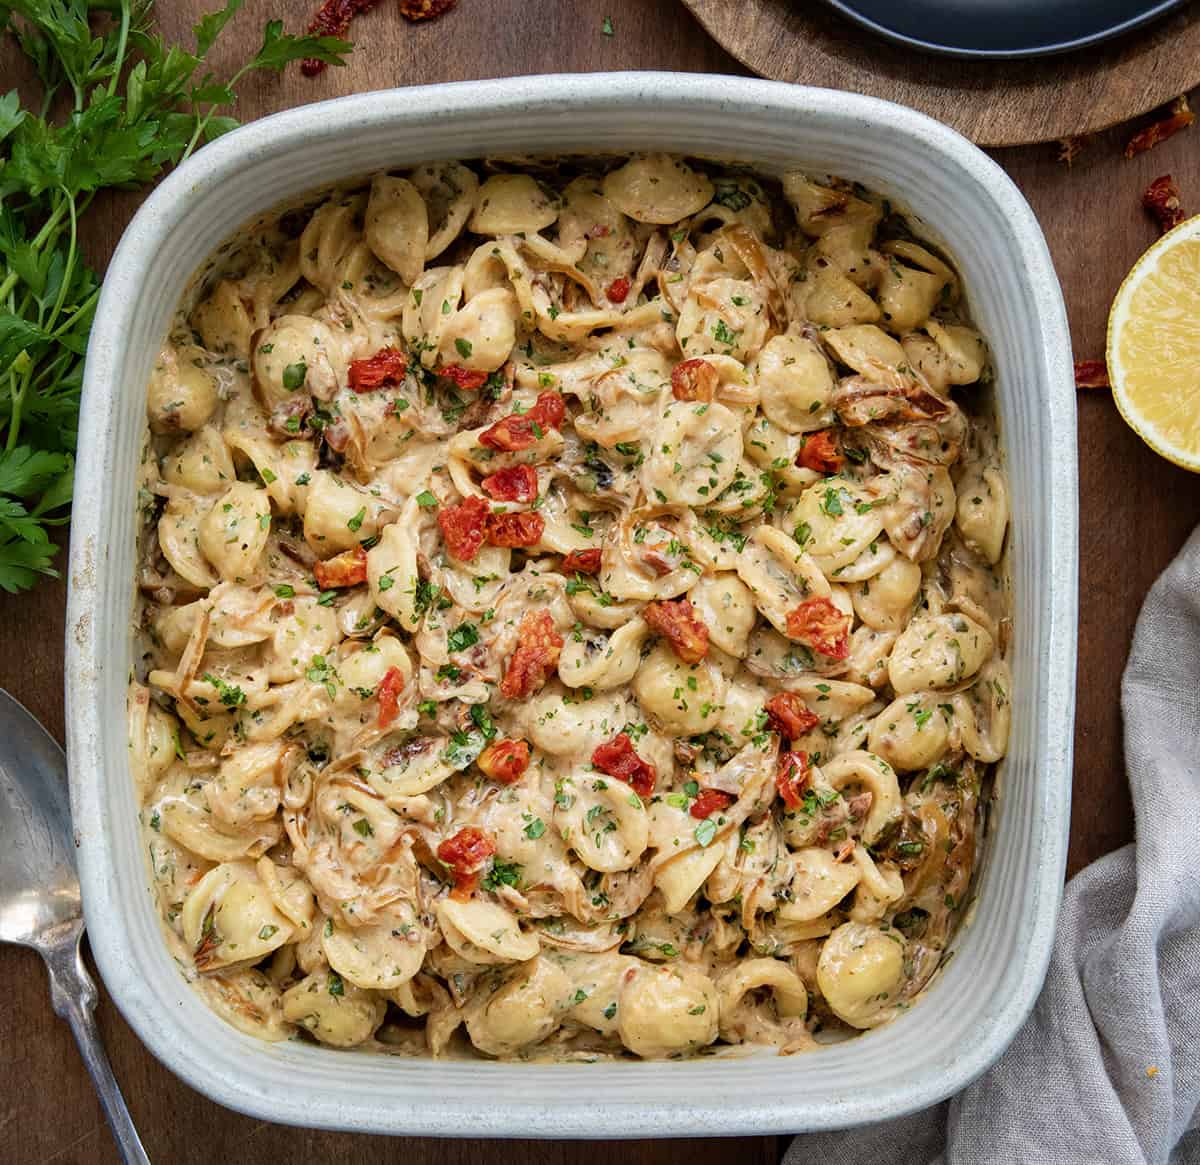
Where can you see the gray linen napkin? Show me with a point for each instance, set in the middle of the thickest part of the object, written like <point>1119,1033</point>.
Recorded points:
<point>1107,1068</point>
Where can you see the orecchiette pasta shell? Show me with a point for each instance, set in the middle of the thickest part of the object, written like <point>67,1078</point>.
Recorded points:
<point>187,823</point>
<point>680,878</point>
<point>696,450</point>
<point>575,728</point>
<point>684,699</point>
<point>859,973</point>
<point>663,1012</point>
<point>296,354</point>
<point>229,918</point>
<point>787,989</point>
<point>836,302</point>
<point>821,208</point>
<point>182,393</point>
<point>308,631</point>
<point>795,383</point>
<point>725,606</point>
<point>602,819</point>
<point>483,932</point>
<point>336,1012</point>
<point>482,333</point>
<point>449,190</point>
<point>818,884</point>
<point>657,188</point>
<point>510,203</point>
<point>381,956</point>
<point>523,1011</point>
<point>201,464</point>
<point>179,540</point>
<point>249,1000</point>
<point>982,516</point>
<point>871,773</point>
<point>881,885</point>
<point>838,521</point>
<point>867,349</point>
<point>963,348</point>
<point>885,601</point>
<point>396,225</point>
<point>602,663</point>
<point>938,651</point>
<point>911,732</point>
<point>779,574</point>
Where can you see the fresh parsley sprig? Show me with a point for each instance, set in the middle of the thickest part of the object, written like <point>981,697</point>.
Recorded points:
<point>118,106</point>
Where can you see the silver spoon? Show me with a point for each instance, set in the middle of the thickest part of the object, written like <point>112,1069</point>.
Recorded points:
<point>39,894</point>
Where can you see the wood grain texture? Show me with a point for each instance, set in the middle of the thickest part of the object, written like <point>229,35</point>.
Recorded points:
<point>1137,509</point>
<point>994,103</point>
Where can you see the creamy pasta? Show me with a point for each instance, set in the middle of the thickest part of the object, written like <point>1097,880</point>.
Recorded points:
<point>573,613</point>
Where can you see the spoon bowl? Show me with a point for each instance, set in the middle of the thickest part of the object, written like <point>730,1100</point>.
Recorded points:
<point>39,893</point>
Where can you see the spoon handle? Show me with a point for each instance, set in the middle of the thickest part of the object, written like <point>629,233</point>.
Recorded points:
<point>73,995</point>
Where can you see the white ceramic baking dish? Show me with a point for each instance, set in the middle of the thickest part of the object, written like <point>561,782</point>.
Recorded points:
<point>975,1006</point>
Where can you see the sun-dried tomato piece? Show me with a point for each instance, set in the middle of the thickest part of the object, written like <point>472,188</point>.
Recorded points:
<point>676,620</point>
<point>517,483</point>
<point>463,527</point>
<point>464,855</point>
<point>333,19</point>
<point>788,715</point>
<point>520,529</point>
<point>618,290</point>
<point>694,380</point>
<point>387,692</point>
<point>1179,116</point>
<point>347,569</point>
<point>386,367</point>
<point>820,452</point>
<point>792,777</point>
<point>1162,200</point>
<point>582,562</point>
<point>1071,147</point>
<point>818,624</point>
<point>521,430</point>
<point>424,9</point>
<point>709,802</point>
<point>535,657</point>
<point>618,759</point>
<point>1091,374</point>
<point>470,379</point>
<point>505,760</point>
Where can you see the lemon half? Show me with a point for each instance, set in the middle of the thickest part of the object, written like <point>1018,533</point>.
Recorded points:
<point>1154,346</point>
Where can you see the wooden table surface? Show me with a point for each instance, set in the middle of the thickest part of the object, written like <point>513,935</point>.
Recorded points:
<point>1136,512</point>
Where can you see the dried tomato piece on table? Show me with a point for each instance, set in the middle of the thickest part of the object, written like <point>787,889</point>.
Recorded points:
<point>820,452</point>
<point>535,656</point>
<point>1179,117</point>
<point>521,430</point>
<point>387,692</point>
<point>463,526</point>
<point>677,621</point>
<point>386,367</point>
<point>694,380</point>
<point>1162,200</point>
<point>788,715</point>
<point>347,569</point>
<point>618,759</point>
<point>1091,374</point>
<point>792,777</point>
<point>517,483</point>
<point>818,624</point>
<point>505,760</point>
<point>710,801</point>
<point>424,9</point>
<point>465,855</point>
<point>333,19</point>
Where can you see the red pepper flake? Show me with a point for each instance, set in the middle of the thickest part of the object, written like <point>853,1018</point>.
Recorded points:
<point>424,9</point>
<point>677,620</point>
<point>386,367</point>
<point>463,527</point>
<point>618,289</point>
<point>521,430</point>
<point>694,380</point>
<point>1179,116</point>
<point>792,777</point>
<point>1091,374</point>
<point>788,715</point>
<point>464,855</point>
<point>518,483</point>
<point>1161,199</point>
<point>520,529</point>
<point>618,759</point>
<point>347,569</point>
<point>505,760</point>
<point>388,694</point>
<point>333,19</point>
<point>820,452</point>
<point>582,562</point>
<point>536,655</point>
<point>709,802</point>
<point>818,624</point>
<point>470,379</point>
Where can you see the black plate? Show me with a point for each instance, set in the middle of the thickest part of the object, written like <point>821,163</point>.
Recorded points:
<point>1001,28</point>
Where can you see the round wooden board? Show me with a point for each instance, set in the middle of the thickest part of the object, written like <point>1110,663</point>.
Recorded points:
<point>994,103</point>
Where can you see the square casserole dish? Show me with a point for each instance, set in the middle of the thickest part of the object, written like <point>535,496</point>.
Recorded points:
<point>975,1005</point>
